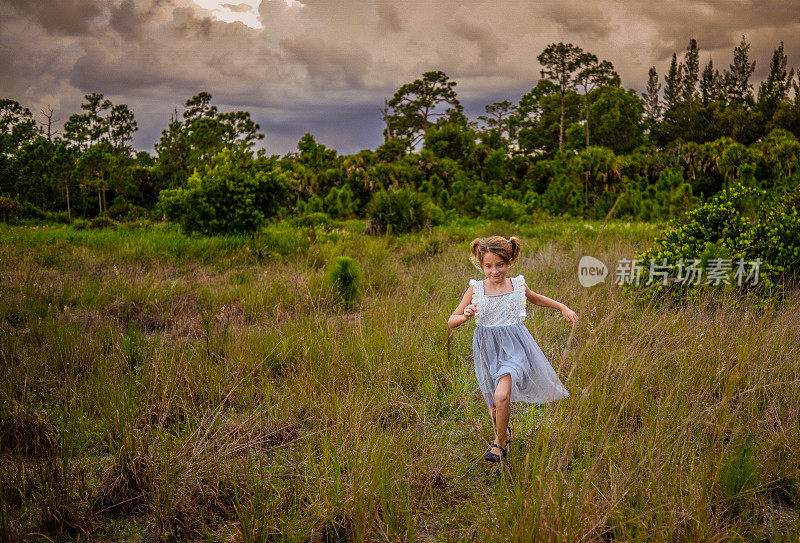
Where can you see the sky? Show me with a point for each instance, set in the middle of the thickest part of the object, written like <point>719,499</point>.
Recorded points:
<point>326,66</point>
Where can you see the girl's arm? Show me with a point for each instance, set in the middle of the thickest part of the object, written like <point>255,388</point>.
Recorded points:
<point>544,301</point>
<point>459,316</point>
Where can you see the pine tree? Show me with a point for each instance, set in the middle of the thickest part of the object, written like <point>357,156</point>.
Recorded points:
<point>652,103</point>
<point>710,84</point>
<point>560,62</point>
<point>672,90</point>
<point>737,81</point>
<point>692,69</point>
<point>776,87</point>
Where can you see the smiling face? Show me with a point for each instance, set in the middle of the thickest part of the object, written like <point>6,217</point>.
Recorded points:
<point>494,268</point>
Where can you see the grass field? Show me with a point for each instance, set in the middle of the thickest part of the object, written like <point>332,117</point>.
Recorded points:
<point>161,387</point>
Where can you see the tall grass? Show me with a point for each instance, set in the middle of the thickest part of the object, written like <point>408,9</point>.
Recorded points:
<point>159,386</point>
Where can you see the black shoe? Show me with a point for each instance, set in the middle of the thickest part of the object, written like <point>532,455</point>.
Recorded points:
<point>489,456</point>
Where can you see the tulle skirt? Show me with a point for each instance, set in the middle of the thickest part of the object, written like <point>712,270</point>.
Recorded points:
<point>501,350</point>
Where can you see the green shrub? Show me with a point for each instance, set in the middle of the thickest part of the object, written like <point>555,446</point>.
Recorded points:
<point>737,476</point>
<point>668,198</point>
<point>60,217</point>
<point>125,211</point>
<point>313,220</point>
<point>80,224</point>
<point>399,211</point>
<point>563,196</point>
<point>30,211</point>
<point>344,277</point>
<point>229,196</point>
<point>339,203</point>
<point>503,209</point>
<point>741,223</point>
<point>101,222</point>
<point>314,204</point>
<point>9,209</point>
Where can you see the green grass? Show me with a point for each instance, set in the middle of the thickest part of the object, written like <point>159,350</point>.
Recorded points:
<point>160,386</point>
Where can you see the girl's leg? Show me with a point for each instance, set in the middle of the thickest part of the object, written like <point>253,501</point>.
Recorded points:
<point>502,395</point>
<point>493,416</point>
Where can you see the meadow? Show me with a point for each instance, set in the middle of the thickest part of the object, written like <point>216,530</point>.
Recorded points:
<point>163,387</point>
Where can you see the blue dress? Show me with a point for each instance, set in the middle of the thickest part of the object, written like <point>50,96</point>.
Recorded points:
<point>502,344</point>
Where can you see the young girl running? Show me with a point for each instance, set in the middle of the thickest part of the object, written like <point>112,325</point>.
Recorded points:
<point>509,364</point>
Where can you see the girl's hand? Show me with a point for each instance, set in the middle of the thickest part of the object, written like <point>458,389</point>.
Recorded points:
<point>470,310</point>
<point>570,315</point>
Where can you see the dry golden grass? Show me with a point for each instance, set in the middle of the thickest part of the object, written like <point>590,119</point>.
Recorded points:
<point>159,387</point>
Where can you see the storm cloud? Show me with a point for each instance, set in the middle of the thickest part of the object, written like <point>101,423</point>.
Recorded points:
<point>326,66</point>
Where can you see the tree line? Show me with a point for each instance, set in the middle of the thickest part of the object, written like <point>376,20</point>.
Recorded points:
<point>576,143</point>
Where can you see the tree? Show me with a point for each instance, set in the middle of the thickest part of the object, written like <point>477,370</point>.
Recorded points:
<point>560,62</point>
<point>593,74</point>
<point>776,87</point>
<point>103,121</point>
<point>616,118</point>
<point>203,133</point>
<point>95,168</point>
<point>415,105</point>
<point>121,126</point>
<point>538,120</point>
<point>711,85</point>
<point>691,71</point>
<point>228,195</point>
<point>48,124</point>
<point>16,126</point>
<point>498,123</point>
<point>102,138</point>
<point>672,88</point>
<point>317,160</point>
<point>737,80</point>
<point>652,103</point>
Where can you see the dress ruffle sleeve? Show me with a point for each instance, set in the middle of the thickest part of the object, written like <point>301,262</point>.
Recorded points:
<point>477,293</point>
<point>522,301</point>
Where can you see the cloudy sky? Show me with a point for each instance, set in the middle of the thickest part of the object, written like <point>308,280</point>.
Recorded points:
<point>325,66</point>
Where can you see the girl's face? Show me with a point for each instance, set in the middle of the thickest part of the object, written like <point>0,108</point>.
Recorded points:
<point>494,267</point>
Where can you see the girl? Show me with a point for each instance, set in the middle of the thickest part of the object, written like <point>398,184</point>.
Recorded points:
<point>509,364</point>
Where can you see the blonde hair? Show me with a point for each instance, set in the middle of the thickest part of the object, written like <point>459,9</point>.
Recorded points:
<point>507,249</point>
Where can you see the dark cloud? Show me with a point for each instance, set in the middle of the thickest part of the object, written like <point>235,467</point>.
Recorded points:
<point>334,64</point>
<point>69,17</point>
<point>125,20</point>
<point>388,18</point>
<point>488,45</point>
<point>583,19</point>
<point>325,66</point>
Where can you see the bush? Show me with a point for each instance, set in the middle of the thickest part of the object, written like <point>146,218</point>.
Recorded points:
<point>399,211</point>
<point>314,204</point>
<point>59,217</point>
<point>737,224</point>
<point>30,211</point>
<point>9,209</point>
<point>339,203</point>
<point>738,475</point>
<point>344,277</point>
<point>504,209</point>
<point>229,196</point>
<point>80,224</point>
<point>313,220</point>
<point>101,222</point>
<point>125,211</point>
<point>563,196</point>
